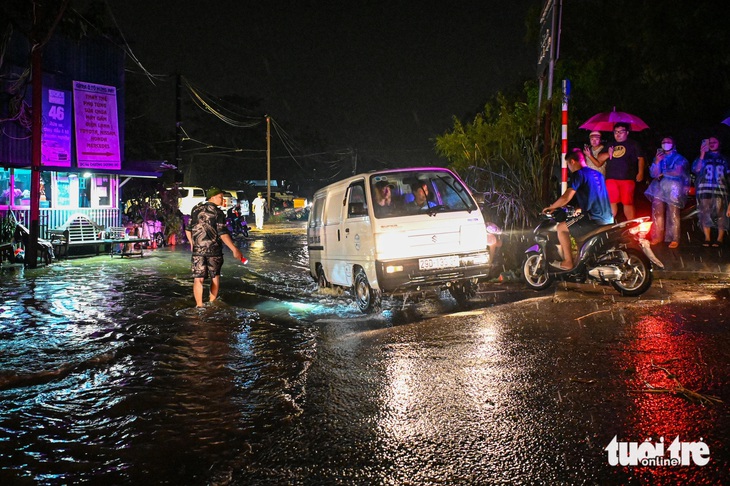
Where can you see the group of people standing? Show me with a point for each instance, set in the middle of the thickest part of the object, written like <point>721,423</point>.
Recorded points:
<point>623,164</point>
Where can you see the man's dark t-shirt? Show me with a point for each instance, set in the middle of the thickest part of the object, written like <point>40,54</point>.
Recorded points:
<point>624,165</point>
<point>207,223</point>
<point>591,194</point>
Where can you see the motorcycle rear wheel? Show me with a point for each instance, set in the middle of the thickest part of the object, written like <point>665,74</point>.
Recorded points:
<point>533,271</point>
<point>637,275</point>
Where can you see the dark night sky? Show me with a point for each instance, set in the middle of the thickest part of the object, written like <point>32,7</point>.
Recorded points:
<point>381,77</point>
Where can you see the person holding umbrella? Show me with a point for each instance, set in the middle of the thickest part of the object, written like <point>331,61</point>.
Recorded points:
<point>625,167</point>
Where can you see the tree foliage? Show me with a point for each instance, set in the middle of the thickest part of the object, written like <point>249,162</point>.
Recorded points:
<point>500,153</point>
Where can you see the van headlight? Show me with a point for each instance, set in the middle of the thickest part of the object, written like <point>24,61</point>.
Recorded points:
<point>387,243</point>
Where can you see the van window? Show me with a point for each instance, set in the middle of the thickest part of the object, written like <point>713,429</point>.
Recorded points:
<point>357,205</point>
<point>317,213</point>
<point>401,193</point>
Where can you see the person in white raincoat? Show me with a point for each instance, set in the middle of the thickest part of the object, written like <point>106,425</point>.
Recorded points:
<point>259,205</point>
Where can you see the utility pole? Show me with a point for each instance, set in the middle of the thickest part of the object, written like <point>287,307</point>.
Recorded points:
<point>268,162</point>
<point>38,39</point>
<point>31,250</point>
<point>178,120</point>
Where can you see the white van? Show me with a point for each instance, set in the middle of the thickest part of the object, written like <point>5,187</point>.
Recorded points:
<point>428,234</point>
<point>188,198</point>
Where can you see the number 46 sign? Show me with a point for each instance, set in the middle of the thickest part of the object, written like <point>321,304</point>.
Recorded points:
<point>56,133</point>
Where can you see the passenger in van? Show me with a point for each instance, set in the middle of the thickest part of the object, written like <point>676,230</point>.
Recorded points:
<point>383,196</point>
<point>420,197</point>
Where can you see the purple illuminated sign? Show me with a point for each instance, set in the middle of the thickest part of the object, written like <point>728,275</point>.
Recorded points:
<point>97,126</point>
<point>56,134</point>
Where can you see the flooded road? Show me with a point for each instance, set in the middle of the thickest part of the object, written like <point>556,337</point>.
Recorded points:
<point>108,376</point>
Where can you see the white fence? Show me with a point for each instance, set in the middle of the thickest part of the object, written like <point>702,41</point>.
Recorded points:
<point>53,218</point>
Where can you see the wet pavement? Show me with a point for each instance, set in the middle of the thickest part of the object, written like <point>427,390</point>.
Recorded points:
<point>108,376</point>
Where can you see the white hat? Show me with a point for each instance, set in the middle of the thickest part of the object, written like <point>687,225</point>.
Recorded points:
<point>594,132</point>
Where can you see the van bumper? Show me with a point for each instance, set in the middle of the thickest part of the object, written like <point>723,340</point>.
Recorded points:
<point>406,274</point>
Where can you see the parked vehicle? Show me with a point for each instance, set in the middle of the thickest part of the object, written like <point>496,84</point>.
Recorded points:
<point>617,254</point>
<point>229,199</point>
<point>241,198</point>
<point>399,247</point>
<point>188,198</point>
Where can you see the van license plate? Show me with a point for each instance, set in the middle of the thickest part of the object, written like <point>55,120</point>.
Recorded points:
<point>438,262</point>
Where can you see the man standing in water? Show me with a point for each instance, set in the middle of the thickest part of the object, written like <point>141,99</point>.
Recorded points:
<point>206,231</point>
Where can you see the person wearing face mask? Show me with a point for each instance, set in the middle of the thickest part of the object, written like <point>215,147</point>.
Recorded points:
<point>712,171</point>
<point>667,192</point>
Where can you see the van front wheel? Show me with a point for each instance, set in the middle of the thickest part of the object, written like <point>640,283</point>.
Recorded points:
<point>366,298</point>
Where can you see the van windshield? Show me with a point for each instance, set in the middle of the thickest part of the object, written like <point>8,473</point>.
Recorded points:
<point>409,192</point>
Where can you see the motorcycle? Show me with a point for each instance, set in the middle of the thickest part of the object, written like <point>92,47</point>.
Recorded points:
<point>237,226</point>
<point>618,255</point>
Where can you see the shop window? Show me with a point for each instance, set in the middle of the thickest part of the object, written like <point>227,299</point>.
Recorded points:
<point>15,187</point>
<point>5,189</point>
<point>65,190</point>
<point>103,191</point>
<point>85,191</point>
<point>22,187</point>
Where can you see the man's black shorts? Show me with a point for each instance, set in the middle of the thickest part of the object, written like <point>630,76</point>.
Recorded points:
<point>580,226</point>
<point>206,266</point>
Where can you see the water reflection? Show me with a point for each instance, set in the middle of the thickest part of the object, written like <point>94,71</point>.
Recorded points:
<point>106,375</point>
<point>666,352</point>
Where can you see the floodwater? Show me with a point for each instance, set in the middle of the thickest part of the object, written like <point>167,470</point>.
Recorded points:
<point>109,376</point>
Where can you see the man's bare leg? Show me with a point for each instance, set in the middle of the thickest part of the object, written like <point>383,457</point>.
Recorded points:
<point>564,239</point>
<point>198,291</point>
<point>214,286</point>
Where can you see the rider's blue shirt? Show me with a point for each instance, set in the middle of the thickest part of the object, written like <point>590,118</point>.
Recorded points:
<point>591,193</point>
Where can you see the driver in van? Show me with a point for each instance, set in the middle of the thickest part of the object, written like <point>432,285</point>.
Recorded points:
<point>420,197</point>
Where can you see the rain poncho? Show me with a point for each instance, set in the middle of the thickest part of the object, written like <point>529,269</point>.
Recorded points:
<point>673,185</point>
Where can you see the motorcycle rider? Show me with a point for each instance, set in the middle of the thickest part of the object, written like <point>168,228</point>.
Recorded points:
<point>236,219</point>
<point>589,188</point>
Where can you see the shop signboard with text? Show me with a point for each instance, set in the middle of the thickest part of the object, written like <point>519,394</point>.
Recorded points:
<point>56,131</point>
<point>97,126</point>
